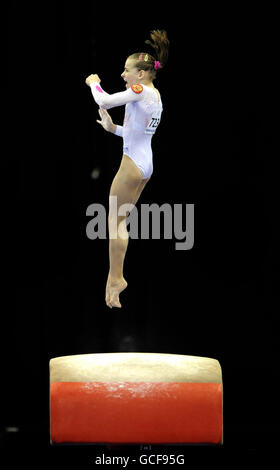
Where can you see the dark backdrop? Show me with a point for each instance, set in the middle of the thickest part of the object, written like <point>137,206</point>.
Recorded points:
<point>214,148</point>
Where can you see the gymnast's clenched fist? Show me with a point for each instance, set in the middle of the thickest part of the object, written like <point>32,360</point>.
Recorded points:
<point>92,78</point>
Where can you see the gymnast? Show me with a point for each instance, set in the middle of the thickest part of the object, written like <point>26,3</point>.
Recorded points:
<point>143,108</point>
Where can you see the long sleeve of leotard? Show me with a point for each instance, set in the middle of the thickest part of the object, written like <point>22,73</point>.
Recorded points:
<point>106,101</point>
<point>119,131</point>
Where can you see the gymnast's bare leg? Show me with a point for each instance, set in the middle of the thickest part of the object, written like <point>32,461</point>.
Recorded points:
<point>127,187</point>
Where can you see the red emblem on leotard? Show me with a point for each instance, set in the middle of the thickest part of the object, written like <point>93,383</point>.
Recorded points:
<point>137,88</point>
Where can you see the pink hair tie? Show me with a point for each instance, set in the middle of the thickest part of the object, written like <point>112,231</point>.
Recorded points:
<point>157,65</point>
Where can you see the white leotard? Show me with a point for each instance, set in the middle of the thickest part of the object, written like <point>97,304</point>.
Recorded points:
<point>142,116</point>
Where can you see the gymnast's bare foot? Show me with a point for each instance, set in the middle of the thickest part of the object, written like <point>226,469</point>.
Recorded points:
<point>113,290</point>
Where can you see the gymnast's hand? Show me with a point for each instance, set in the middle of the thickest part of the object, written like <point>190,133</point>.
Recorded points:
<point>92,78</point>
<point>106,121</point>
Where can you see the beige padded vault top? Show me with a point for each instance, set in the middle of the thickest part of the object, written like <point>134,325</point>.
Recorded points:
<point>135,367</point>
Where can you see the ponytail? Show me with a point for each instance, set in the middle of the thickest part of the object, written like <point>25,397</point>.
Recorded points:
<point>160,44</point>
<point>145,61</point>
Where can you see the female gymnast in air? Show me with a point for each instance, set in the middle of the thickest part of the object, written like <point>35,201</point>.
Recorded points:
<point>143,108</point>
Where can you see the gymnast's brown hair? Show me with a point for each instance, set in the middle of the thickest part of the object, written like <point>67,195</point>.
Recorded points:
<point>145,61</point>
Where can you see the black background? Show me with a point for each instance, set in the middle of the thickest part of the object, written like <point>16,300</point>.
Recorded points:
<point>214,148</point>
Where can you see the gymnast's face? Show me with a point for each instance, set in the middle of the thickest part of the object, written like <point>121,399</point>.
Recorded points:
<point>131,74</point>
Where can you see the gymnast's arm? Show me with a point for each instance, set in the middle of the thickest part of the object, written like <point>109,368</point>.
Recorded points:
<point>106,101</point>
<point>107,123</point>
